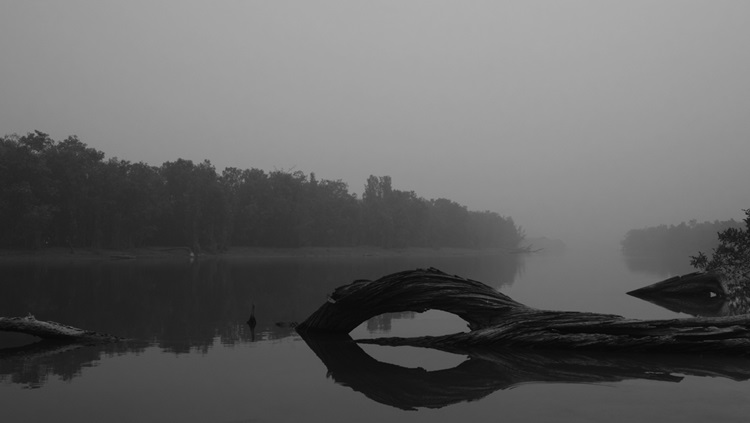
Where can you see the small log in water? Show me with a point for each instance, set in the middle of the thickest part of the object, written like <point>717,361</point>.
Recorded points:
<point>698,284</point>
<point>497,320</point>
<point>701,294</point>
<point>52,330</point>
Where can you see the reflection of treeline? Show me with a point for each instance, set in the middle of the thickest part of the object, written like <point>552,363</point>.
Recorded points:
<point>65,194</point>
<point>685,239</point>
<point>181,305</point>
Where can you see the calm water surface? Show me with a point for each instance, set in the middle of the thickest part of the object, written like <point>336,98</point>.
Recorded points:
<point>192,357</point>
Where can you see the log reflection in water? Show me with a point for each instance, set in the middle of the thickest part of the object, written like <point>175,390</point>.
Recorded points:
<point>32,364</point>
<point>488,370</point>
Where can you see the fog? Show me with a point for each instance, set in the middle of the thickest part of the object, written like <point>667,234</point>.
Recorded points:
<point>580,119</point>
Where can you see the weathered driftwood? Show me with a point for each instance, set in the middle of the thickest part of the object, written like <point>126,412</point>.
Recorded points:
<point>418,291</point>
<point>697,294</point>
<point>495,320</point>
<point>53,330</point>
<point>698,284</point>
<point>488,370</point>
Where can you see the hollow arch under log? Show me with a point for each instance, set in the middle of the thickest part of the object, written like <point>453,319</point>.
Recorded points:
<point>497,320</point>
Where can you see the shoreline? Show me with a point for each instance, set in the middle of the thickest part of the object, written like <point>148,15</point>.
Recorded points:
<point>151,253</point>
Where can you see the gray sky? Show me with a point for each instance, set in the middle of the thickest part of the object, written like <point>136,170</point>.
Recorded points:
<point>580,119</point>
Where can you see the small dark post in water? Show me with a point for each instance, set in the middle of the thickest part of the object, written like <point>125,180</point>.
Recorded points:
<point>252,322</point>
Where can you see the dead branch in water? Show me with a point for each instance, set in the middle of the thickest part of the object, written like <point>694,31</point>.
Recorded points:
<point>53,330</point>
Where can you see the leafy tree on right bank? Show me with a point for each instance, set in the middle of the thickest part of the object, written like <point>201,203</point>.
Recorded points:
<point>732,256</point>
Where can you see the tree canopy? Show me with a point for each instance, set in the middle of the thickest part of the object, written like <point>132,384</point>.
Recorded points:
<point>732,255</point>
<point>67,194</point>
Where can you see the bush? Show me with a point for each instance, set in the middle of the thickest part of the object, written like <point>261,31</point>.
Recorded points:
<point>732,256</point>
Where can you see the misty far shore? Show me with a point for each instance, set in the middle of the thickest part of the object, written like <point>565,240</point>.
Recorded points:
<point>668,242</point>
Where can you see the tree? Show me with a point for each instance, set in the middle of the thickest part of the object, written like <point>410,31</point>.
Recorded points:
<point>674,241</point>
<point>732,256</point>
<point>136,203</point>
<point>198,207</point>
<point>377,222</point>
<point>66,194</point>
<point>26,191</point>
<point>489,229</point>
<point>76,170</point>
<point>283,211</point>
<point>448,224</point>
<point>331,214</point>
<point>248,192</point>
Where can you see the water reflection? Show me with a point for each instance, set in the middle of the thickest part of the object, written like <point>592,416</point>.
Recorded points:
<point>694,306</point>
<point>661,267</point>
<point>384,322</point>
<point>487,371</point>
<point>33,364</point>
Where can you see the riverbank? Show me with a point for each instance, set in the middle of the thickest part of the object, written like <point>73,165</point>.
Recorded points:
<point>243,252</point>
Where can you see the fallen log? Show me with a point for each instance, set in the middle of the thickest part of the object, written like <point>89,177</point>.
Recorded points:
<point>698,284</point>
<point>417,291</point>
<point>496,320</point>
<point>700,294</point>
<point>53,330</point>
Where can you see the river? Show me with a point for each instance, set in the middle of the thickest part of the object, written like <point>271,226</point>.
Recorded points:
<point>191,356</point>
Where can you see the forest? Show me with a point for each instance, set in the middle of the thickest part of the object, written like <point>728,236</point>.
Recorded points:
<point>683,240</point>
<point>66,194</point>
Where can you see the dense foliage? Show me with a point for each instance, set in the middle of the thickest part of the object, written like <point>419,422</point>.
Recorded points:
<point>66,194</point>
<point>674,240</point>
<point>732,255</point>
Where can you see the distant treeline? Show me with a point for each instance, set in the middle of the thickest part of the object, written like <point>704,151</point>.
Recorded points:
<point>685,239</point>
<point>66,194</point>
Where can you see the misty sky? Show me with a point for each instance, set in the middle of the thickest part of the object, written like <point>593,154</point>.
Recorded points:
<point>580,119</point>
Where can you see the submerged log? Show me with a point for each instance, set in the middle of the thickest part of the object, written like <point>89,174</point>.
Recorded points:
<point>496,320</point>
<point>53,330</point>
